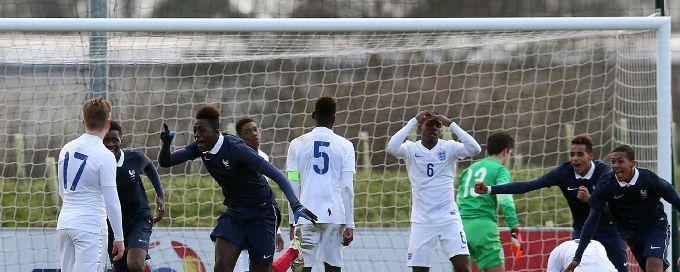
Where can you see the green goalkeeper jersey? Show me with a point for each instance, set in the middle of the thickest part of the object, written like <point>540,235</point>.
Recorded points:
<point>473,205</point>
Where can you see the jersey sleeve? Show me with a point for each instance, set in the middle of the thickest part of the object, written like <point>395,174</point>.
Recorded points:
<point>506,202</point>
<point>349,158</point>
<point>468,146</point>
<point>254,162</point>
<point>291,157</point>
<point>151,173</point>
<point>107,170</point>
<point>555,262</point>
<point>396,146</point>
<point>168,159</point>
<point>667,192</point>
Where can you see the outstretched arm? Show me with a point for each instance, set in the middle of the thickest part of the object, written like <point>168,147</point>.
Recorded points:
<point>394,144</point>
<point>669,193</point>
<point>518,187</point>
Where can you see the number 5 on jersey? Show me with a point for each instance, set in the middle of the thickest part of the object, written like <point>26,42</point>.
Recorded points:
<point>318,153</point>
<point>81,157</point>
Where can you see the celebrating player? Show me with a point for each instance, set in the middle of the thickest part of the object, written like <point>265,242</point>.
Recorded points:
<point>247,130</point>
<point>431,164</point>
<point>577,179</point>
<point>87,186</point>
<point>249,221</point>
<point>634,197</point>
<point>137,219</point>
<point>321,168</point>
<point>479,211</point>
<point>594,258</point>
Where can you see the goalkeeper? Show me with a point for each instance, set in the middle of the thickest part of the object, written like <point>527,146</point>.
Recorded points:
<point>479,211</point>
<point>576,179</point>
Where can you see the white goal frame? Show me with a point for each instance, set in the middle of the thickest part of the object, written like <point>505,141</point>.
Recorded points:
<point>662,26</point>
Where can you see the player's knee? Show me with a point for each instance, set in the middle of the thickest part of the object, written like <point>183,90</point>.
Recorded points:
<point>223,265</point>
<point>136,266</point>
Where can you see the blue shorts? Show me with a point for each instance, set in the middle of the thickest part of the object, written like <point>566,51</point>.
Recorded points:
<point>652,242</point>
<point>253,229</point>
<point>136,232</point>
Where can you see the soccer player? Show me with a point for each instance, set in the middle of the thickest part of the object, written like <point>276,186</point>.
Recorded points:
<point>321,168</point>
<point>576,179</point>
<point>479,211</point>
<point>249,220</point>
<point>248,131</point>
<point>594,258</point>
<point>431,164</point>
<point>87,186</point>
<point>137,219</point>
<point>634,196</point>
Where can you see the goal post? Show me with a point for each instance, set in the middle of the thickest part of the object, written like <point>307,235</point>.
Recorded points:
<point>541,79</point>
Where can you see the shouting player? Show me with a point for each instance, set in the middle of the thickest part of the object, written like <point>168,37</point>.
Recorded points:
<point>249,220</point>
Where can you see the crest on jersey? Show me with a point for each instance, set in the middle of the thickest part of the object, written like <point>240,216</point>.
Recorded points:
<point>132,174</point>
<point>441,155</point>
<point>643,193</point>
<point>226,163</point>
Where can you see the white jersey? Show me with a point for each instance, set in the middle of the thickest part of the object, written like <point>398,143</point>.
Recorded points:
<point>85,166</point>
<point>320,157</point>
<point>594,258</point>
<point>263,155</point>
<point>432,172</point>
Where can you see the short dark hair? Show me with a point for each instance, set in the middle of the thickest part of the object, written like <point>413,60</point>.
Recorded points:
<point>211,114</point>
<point>96,111</point>
<point>242,122</point>
<point>628,150</point>
<point>584,140</point>
<point>498,141</point>
<point>325,107</point>
<point>116,126</point>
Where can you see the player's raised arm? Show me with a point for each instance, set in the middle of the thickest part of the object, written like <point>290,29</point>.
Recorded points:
<point>168,159</point>
<point>394,144</point>
<point>470,146</point>
<point>151,173</point>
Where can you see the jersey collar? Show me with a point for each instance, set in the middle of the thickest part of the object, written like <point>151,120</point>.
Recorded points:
<point>120,161</point>
<point>632,181</point>
<point>218,145</point>
<point>589,174</point>
<point>322,129</point>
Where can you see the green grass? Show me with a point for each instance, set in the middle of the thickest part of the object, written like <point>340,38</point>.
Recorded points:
<point>381,200</point>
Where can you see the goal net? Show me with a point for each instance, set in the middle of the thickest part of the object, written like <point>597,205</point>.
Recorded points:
<point>541,86</point>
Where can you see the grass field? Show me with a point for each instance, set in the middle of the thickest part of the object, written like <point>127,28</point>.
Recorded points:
<point>381,200</point>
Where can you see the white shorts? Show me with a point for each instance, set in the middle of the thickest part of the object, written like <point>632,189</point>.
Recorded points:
<point>243,262</point>
<point>82,251</point>
<point>423,239</point>
<point>325,238</point>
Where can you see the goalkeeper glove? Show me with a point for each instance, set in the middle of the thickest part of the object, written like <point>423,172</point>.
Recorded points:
<point>167,135</point>
<point>303,212</point>
<point>516,242</point>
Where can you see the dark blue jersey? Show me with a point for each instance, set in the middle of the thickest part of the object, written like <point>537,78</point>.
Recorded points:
<point>564,177</point>
<point>131,191</point>
<point>635,206</point>
<point>237,168</point>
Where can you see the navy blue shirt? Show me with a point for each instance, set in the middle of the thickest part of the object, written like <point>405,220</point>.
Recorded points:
<point>635,206</point>
<point>238,169</point>
<point>564,177</point>
<point>133,200</point>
